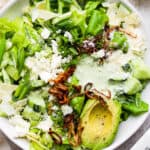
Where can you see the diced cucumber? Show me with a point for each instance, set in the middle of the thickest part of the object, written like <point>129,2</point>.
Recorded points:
<point>119,41</point>
<point>3,114</point>
<point>132,86</point>
<point>29,114</point>
<point>140,70</point>
<point>13,72</point>
<point>37,102</point>
<point>37,83</point>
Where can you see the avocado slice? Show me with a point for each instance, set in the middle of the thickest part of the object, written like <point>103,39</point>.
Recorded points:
<point>99,123</point>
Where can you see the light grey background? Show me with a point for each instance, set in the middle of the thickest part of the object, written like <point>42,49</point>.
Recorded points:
<point>144,7</point>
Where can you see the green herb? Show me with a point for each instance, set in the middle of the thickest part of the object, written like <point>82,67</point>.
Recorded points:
<point>77,103</point>
<point>133,104</point>
<point>119,41</point>
<point>2,46</point>
<point>97,22</point>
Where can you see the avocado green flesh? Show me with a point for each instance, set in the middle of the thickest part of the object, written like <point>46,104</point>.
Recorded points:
<point>100,124</point>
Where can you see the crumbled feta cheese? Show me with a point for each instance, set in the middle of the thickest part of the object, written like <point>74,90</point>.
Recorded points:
<point>46,65</point>
<point>21,126</point>
<point>68,35</point>
<point>66,109</point>
<point>58,31</point>
<point>54,46</point>
<point>45,76</point>
<point>111,35</point>
<point>55,107</point>
<point>45,33</point>
<point>45,124</point>
<point>99,54</point>
<point>8,44</point>
<point>91,44</point>
<point>88,43</point>
<point>51,97</point>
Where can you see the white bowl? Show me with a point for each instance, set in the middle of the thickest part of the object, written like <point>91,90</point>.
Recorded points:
<point>126,129</point>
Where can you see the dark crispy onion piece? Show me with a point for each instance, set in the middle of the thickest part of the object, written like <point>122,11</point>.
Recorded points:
<point>128,33</point>
<point>107,93</point>
<point>68,119</point>
<point>74,133</point>
<point>56,137</point>
<point>65,100</point>
<point>77,88</point>
<point>95,94</point>
<point>99,94</point>
<point>59,89</point>
<point>88,86</point>
<point>62,77</point>
<point>90,95</point>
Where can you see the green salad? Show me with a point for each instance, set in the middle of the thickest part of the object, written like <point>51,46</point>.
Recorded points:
<point>71,71</point>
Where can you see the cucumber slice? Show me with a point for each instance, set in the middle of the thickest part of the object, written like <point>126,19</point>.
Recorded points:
<point>132,86</point>
<point>37,103</point>
<point>31,115</point>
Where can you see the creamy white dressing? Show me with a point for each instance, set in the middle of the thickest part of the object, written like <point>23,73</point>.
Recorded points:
<point>89,70</point>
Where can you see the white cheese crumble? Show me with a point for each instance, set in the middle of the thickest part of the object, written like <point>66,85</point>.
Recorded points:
<point>99,54</point>
<point>21,126</point>
<point>47,65</point>
<point>8,44</point>
<point>45,33</point>
<point>68,35</point>
<point>55,107</point>
<point>54,46</point>
<point>45,124</point>
<point>66,109</point>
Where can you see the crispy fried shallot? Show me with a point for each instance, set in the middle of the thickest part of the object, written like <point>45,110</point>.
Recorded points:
<point>74,132</point>
<point>56,137</point>
<point>88,86</point>
<point>117,28</point>
<point>128,33</point>
<point>59,89</point>
<point>64,75</point>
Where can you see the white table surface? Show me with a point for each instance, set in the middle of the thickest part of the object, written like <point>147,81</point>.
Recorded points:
<point>144,7</point>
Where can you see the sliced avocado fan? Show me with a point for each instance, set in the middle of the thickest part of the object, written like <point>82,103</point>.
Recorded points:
<point>100,123</point>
